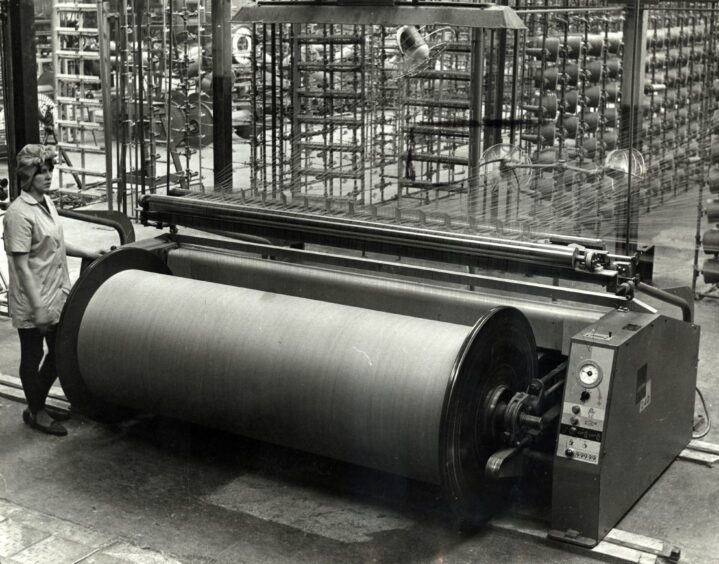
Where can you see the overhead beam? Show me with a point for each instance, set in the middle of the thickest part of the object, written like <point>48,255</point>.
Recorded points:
<point>476,15</point>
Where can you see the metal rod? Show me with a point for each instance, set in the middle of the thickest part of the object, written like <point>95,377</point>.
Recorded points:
<point>475,118</point>
<point>522,287</point>
<point>221,94</point>
<point>103,11</point>
<point>139,8</point>
<point>371,236</point>
<point>662,295</point>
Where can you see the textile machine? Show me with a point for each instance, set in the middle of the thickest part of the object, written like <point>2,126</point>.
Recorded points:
<point>307,331</point>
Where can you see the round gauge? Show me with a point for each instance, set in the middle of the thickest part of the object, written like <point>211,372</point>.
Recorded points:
<point>589,374</point>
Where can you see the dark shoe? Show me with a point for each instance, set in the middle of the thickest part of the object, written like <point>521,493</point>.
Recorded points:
<point>57,413</point>
<point>51,428</point>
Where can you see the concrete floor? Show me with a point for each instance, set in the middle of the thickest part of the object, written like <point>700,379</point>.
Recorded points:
<point>164,490</point>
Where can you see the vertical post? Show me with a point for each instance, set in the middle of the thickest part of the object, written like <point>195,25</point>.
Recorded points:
<point>222,79</point>
<point>21,113</point>
<point>139,10</point>
<point>636,27</point>
<point>495,102</point>
<point>103,14</point>
<point>295,150</point>
<point>476,87</point>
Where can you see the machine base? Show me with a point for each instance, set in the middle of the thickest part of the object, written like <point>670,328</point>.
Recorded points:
<point>572,537</point>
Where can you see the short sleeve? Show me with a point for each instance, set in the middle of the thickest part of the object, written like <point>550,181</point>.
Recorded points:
<point>17,233</point>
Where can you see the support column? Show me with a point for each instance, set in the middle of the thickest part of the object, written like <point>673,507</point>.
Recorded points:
<point>20,84</point>
<point>476,87</point>
<point>103,27</point>
<point>222,79</point>
<point>636,27</point>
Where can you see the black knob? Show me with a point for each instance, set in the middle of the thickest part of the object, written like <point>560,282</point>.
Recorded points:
<point>569,452</point>
<point>585,395</point>
<point>576,409</point>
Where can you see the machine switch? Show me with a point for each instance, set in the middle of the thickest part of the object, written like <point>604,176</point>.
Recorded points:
<point>569,452</point>
<point>576,409</point>
<point>585,395</point>
<point>574,421</point>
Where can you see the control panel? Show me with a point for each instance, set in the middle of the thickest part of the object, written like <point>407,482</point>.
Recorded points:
<point>585,403</point>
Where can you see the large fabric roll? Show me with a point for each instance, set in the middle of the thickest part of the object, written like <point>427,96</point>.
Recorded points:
<point>355,384</point>
<point>399,393</point>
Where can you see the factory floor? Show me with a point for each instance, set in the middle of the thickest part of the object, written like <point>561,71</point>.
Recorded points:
<point>154,490</point>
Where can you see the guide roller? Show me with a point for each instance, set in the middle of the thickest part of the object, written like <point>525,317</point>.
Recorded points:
<point>392,392</point>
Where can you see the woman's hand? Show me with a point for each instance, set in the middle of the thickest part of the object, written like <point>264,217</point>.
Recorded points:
<point>41,317</point>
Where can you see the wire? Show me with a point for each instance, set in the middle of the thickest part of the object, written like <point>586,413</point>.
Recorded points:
<point>705,432</point>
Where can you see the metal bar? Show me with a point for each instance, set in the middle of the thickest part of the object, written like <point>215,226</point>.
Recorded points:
<point>494,17</point>
<point>122,119</point>
<point>558,10</point>
<point>255,114</point>
<point>373,237</point>
<point>456,103</point>
<point>139,10</point>
<point>556,241</point>
<point>103,11</point>
<point>117,220</point>
<point>475,118</point>
<point>425,273</point>
<point>666,297</point>
<point>275,96</point>
<point>170,42</point>
<point>222,78</point>
<point>295,150</point>
<point>493,130</point>
<point>635,51</point>
<point>437,158</point>
<point>328,93</point>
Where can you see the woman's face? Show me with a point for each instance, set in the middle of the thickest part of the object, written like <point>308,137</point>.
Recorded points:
<point>42,180</point>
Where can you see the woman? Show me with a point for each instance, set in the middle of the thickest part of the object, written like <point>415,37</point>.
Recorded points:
<point>39,281</point>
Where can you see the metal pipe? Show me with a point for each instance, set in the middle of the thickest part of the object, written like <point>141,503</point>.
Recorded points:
<point>575,263</point>
<point>664,296</point>
<point>103,24</point>
<point>222,78</point>
<point>475,117</point>
<point>117,220</point>
<point>296,222</point>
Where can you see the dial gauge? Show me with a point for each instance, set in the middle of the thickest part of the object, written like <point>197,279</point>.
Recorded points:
<point>589,374</point>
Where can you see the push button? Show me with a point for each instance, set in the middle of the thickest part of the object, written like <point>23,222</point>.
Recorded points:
<point>585,396</point>
<point>576,409</point>
<point>569,452</point>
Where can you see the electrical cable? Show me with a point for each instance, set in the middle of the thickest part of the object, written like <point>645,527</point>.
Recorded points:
<point>705,432</point>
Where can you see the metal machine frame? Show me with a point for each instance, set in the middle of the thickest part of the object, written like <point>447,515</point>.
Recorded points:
<point>601,406</point>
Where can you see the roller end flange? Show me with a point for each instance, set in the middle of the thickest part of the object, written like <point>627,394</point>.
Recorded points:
<point>68,368</point>
<point>499,352</point>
